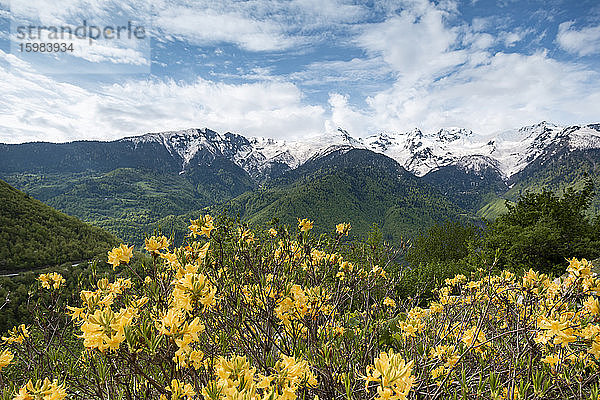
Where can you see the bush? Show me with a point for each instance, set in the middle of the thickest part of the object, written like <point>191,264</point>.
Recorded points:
<point>235,313</point>
<point>543,229</point>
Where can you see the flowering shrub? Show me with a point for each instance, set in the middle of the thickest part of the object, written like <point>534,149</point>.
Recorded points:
<point>234,313</point>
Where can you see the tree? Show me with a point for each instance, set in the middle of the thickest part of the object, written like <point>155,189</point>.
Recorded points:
<point>442,242</point>
<point>542,229</point>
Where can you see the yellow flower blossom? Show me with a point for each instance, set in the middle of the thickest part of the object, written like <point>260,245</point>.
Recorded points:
<point>5,358</point>
<point>554,327</point>
<point>51,280</point>
<point>460,278</point>
<point>120,254</point>
<point>155,244</point>
<point>343,228</point>
<point>246,236</point>
<point>595,348</point>
<point>46,390</point>
<point>579,268</point>
<point>393,375</point>
<point>389,302</point>
<point>16,334</point>
<point>551,359</point>
<point>203,226</point>
<point>592,305</point>
<point>305,225</point>
<point>180,390</point>
<point>470,339</point>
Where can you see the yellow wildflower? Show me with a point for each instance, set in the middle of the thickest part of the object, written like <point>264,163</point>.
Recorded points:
<point>46,390</point>
<point>16,334</point>
<point>554,327</point>
<point>595,349</point>
<point>471,340</point>
<point>551,359</point>
<point>305,225</point>
<point>592,305</point>
<point>120,254</point>
<point>179,390</point>
<point>393,374</point>
<point>579,268</point>
<point>51,280</point>
<point>343,228</point>
<point>5,358</point>
<point>155,244</point>
<point>246,236</point>
<point>389,302</point>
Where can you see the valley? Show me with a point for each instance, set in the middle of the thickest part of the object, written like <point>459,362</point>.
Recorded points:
<point>403,182</point>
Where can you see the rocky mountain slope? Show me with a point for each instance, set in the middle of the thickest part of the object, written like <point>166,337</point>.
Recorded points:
<point>507,152</point>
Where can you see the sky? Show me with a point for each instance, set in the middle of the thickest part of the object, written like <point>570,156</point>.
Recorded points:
<point>291,69</point>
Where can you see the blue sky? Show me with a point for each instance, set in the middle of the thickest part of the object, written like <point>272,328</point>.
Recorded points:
<point>297,68</point>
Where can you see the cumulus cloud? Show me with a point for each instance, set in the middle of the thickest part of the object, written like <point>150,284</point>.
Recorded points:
<point>451,76</point>
<point>416,43</point>
<point>37,107</point>
<point>583,42</point>
<point>348,117</point>
<point>422,65</point>
<point>509,90</point>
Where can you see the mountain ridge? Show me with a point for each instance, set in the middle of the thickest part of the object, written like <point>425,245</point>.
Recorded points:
<point>136,182</point>
<point>508,151</point>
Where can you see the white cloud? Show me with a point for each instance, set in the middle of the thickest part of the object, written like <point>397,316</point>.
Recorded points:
<point>363,70</point>
<point>104,51</point>
<point>583,42</point>
<point>345,116</point>
<point>259,25</point>
<point>416,43</point>
<point>116,51</point>
<point>450,76</point>
<point>36,107</point>
<point>509,90</point>
<point>205,26</point>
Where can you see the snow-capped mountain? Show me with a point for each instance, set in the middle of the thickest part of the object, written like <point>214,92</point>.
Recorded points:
<point>256,155</point>
<point>507,152</point>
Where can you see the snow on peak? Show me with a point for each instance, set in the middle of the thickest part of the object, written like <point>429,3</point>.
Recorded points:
<point>478,163</point>
<point>185,144</point>
<point>585,137</point>
<point>420,153</point>
<point>516,148</point>
<point>508,151</point>
<point>452,134</point>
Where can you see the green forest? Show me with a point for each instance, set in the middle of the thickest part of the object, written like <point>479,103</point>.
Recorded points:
<point>34,235</point>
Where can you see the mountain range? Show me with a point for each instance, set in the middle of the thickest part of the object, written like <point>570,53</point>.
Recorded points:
<point>401,181</point>
<point>508,152</point>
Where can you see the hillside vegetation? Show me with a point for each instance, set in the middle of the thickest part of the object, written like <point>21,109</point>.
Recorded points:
<point>236,313</point>
<point>34,235</point>
<point>358,186</point>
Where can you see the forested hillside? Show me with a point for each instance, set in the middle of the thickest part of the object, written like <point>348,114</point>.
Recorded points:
<point>358,186</point>
<point>33,235</point>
